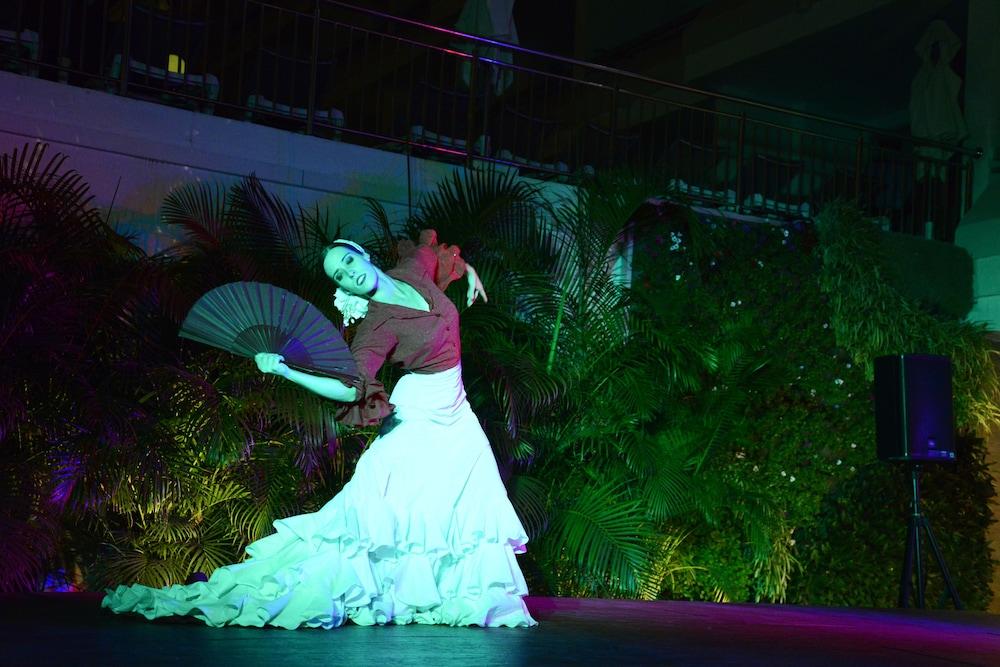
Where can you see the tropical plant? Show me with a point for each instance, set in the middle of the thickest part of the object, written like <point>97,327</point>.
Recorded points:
<point>162,456</point>
<point>574,362</point>
<point>684,426</point>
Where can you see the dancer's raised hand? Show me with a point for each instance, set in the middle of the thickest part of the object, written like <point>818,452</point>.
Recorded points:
<point>476,288</point>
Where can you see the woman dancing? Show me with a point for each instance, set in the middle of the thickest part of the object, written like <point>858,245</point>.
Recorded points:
<point>423,532</point>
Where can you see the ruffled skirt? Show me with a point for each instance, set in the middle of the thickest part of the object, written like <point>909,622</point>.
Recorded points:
<point>423,533</point>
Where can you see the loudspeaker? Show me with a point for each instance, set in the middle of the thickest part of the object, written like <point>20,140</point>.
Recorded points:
<point>914,420</point>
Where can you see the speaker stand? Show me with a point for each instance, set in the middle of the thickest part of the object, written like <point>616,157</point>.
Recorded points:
<point>913,560</point>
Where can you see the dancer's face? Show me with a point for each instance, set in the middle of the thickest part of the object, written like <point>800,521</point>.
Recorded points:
<point>350,271</point>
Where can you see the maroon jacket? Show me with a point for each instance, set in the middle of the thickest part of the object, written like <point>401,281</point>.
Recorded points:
<point>421,342</point>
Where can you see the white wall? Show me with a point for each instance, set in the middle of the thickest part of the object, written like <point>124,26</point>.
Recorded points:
<point>982,80</point>
<point>979,231</point>
<point>133,153</point>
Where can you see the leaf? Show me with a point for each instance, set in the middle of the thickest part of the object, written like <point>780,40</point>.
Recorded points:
<point>603,531</point>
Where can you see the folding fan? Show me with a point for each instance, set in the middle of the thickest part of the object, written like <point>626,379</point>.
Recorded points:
<point>249,317</point>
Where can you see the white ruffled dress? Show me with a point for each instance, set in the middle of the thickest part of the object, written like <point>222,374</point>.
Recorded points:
<point>422,533</point>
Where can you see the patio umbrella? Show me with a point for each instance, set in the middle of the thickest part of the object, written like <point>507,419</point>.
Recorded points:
<point>493,19</point>
<point>934,110</point>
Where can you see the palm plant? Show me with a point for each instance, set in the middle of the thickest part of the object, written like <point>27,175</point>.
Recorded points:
<point>567,368</point>
<point>62,268</point>
<point>169,457</point>
<point>240,450</point>
<point>157,457</point>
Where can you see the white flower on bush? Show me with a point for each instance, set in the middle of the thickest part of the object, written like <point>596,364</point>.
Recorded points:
<point>838,382</point>
<point>839,461</point>
<point>784,474</point>
<point>792,478</point>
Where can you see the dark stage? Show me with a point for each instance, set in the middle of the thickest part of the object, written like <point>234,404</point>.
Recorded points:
<point>70,629</point>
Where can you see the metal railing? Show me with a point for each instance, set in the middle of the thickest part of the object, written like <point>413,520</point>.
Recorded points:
<point>343,72</point>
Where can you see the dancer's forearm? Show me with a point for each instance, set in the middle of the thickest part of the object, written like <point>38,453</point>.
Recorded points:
<point>331,388</point>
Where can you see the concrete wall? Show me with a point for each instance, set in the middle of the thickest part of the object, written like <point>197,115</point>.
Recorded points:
<point>980,228</point>
<point>979,231</point>
<point>133,153</point>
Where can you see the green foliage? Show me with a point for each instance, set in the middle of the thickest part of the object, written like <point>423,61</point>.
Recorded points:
<point>703,431</point>
<point>872,318</point>
<point>817,306</point>
<point>128,454</point>
<point>575,376</point>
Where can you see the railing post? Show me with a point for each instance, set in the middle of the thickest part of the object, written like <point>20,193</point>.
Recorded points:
<point>126,51</point>
<point>969,167</point>
<point>858,152</point>
<point>740,141</point>
<point>313,69</point>
<point>614,124</point>
<point>470,113</point>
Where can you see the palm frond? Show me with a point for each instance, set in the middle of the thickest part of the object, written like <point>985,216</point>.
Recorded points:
<point>530,498</point>
<point>382,243</point>
<point>662,465</point>
<point>667,561</point>
<point>466,208</point>
<point>201,210</point>
<point>604,531</point>
<point>267,228</point>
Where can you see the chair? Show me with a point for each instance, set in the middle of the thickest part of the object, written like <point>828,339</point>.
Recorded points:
<point>598,147</point>
<point>766,185</point>
<point>163,49</point>
<point>19,39</point>
<point>439,117</point>
<point>528,140</point>
<point>16,46</point>
<point>705,173</point>
<point>279,84</point>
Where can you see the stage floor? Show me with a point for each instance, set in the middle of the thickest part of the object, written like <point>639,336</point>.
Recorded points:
<point>70,629</point>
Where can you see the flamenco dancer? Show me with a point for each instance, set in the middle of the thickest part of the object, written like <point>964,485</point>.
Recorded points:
<point>423,532</point>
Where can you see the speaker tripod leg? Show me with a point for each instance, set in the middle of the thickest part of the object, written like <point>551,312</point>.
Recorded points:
<point>948,583</point>
<point>918,562</point>
<point>906,576</point>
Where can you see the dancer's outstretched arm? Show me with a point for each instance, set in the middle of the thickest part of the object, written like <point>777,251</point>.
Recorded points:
<point>326,387</point>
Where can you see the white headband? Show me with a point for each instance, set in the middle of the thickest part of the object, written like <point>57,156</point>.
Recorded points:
<point>351,244</point>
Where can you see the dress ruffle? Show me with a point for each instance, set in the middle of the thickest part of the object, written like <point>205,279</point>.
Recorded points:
<point>358,563</point>
<point>423,533</point>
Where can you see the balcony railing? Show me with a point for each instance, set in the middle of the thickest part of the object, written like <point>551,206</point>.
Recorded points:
<point>347,73</point>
